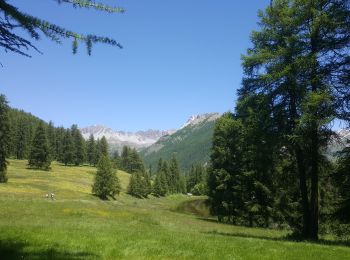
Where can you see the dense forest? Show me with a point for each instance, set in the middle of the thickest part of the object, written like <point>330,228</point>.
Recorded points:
<point>268,164</point>
<point>65,145</point>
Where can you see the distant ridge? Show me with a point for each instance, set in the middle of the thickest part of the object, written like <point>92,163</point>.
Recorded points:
<point>117,139</point>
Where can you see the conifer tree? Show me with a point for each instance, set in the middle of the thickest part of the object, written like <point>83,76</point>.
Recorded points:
<point>103,147</point>
<point>39,156</point>
<point>67,148</point>
<point>160,186</point>
<point>51,135</point>
<point>79,145</point>
<point>196,176</point>
<point>12,41</point>
<point>165,170</point>
<point>4,137</point>
<point>21,141</point>
<point>116,159</point>
<point>125,159</point>
<point>106,182</point>
<point>299,61</point>
<point>226,194</point>
<point>135,185</point>
<point>60,135</point>
<point>174,176</point>
<point>91,150</point>
<point>136,164</point>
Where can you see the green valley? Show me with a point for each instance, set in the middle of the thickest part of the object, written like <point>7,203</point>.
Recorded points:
<point>77,225</point>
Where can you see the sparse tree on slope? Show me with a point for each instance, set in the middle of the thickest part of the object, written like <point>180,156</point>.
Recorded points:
<point>39,156</point>
<point>4,137</point>
<point>106,182</point>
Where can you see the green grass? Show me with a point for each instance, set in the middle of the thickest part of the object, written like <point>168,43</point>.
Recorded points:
<point>78,225</point>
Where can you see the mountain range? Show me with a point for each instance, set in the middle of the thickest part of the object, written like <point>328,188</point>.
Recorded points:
<point>140,139</point>
<point>191,142</point>
<point>117,139</point>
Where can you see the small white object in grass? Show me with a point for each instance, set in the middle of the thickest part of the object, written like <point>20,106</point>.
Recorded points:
<point>52,196</point>
<point>189,194</point>
<point>47,195</point>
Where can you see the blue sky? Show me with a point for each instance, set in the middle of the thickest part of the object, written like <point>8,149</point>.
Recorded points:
<point>179,58</point>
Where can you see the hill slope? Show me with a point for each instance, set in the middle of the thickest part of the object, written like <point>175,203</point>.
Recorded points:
<point>191,144</point>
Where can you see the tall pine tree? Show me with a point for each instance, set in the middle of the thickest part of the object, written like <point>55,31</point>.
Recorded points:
<point>39,156</point>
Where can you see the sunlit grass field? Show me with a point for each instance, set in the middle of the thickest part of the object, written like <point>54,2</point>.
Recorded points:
<point>77,225</point>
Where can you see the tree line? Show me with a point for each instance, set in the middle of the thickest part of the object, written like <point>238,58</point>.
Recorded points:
<point>268,163</point>
<point>25,136</point>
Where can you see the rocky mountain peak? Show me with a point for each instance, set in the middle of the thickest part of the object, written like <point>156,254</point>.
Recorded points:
<point>197,119</point>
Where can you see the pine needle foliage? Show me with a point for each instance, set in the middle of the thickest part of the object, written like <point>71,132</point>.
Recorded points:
<point>11,18</point>
<point>106,181</point>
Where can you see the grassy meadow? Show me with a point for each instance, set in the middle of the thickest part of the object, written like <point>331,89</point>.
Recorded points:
<point>77,225</point>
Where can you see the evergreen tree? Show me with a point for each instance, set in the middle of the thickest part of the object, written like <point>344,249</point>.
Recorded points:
<point>102,147</point>
<point>4,137</point>
<point>147,184</point>
<point>165,170</point>
<point>79,145</point>
<point>196,176</point>
<point>125,159</point>
<point>12,41</point>
<point>106,182</point>
<point>225,180</point>
<point>51,135</point>
<point>299,61</point>
<point>136,164</point>
<point>116,159</point>
<point>21,141</point>
<point>67,148</point>
<point>160,186</point>
<point>135,185</point>
<point>60,136</point>
<point>91,150</point>
<point>40,152</point>
<point>174,183</point>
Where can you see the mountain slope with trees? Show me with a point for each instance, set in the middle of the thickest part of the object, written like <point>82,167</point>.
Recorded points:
<point>191,144</point>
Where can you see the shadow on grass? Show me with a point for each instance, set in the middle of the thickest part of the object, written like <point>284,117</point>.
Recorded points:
<point>19,250</point>
<point>288,238</point>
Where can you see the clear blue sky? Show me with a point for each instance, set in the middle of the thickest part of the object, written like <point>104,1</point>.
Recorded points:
<point>180,58</point>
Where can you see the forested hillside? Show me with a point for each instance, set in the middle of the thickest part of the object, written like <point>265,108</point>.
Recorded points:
<point>65,145</point>
<point>190,144</point>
